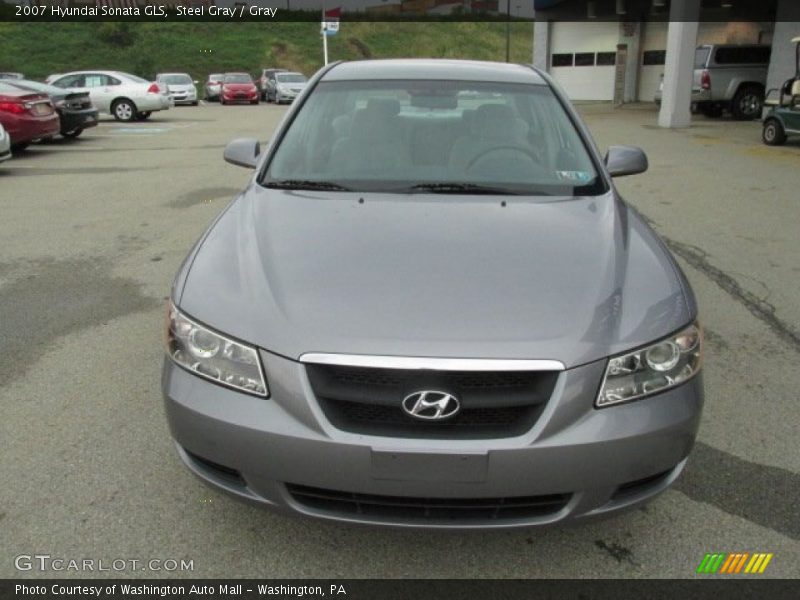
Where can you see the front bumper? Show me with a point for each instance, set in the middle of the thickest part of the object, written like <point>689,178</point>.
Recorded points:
<point>261,450</point>
<point>184,97</point>
<point>240,96</point>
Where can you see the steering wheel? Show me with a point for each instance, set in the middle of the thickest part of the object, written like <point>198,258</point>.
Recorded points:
<point>488,151</point>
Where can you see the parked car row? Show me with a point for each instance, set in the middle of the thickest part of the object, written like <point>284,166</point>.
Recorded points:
<point>273,85</point>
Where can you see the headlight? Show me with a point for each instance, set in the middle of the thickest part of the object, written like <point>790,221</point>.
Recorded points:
<point>652,369</point>
<point>60,104</point>
<point>214,356</point>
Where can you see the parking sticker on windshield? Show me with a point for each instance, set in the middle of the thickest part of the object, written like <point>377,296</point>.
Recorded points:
<point>580,176</point>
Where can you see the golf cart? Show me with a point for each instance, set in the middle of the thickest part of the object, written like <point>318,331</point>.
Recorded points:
<point>782,116</point>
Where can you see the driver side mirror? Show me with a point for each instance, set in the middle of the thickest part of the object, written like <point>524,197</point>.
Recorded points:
<point>625,160</point>
<point>243,152</point>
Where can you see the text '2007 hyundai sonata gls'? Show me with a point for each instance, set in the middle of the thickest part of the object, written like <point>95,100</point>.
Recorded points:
<point>430,307</point>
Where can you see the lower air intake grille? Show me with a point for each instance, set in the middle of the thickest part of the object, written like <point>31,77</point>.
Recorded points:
<point>402,508</point>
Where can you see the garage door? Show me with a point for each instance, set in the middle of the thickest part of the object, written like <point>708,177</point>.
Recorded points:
<point>582,57</point>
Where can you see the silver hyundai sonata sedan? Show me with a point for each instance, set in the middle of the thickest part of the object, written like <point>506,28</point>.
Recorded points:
<point>430,307</point>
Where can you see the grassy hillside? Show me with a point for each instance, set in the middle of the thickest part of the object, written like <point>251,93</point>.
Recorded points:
<point>39,49</point>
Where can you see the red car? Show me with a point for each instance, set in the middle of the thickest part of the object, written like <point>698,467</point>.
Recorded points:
<point>27,116</point>
<point>238,87</point>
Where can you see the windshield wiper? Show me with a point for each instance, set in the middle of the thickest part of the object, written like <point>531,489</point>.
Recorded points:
<point>460,188</point>
<point>305,184</point>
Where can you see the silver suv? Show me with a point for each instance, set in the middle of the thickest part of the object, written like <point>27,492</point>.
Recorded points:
<point>728,77</point>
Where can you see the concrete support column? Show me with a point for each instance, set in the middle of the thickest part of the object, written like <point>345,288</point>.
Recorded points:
<point>541,44</point>
<point>630,34</point>
<point>787,26</point>
<point>676,99</point>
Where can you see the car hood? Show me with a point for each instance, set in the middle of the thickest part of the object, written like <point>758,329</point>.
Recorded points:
<point>239,87</point>
<point>439,276</point>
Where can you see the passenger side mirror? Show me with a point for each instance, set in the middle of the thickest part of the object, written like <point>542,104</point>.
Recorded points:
<point>625,160</point>
<point>243,152</point>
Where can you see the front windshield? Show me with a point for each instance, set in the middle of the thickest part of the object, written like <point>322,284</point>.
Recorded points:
<point>425,135</point>
<point>290,77</point>
<point>176,79</point>
<point>238,78</point>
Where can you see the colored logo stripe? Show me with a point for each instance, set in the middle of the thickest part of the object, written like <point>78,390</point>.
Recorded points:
<point>734,563</point>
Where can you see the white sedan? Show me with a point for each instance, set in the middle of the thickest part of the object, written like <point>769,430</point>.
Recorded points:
<point>5,145</point>
<point>124,96</point>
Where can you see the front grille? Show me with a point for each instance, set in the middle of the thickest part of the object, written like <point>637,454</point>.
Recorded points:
<point>410,509</point>
<point>369,400</point>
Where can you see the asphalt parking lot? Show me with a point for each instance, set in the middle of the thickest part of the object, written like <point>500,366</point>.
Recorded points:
<point>93,231</point>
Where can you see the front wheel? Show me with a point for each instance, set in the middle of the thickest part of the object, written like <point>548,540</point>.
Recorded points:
<point>123,110</point>
<point>773,133</point>
<point>16,148</point>
<point>72,134</point>
<point>747,103</point>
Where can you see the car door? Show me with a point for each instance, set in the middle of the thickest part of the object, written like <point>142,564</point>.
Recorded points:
<point>102,89</point>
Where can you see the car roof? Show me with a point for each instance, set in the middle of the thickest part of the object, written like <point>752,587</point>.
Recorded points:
<point>176,73</point>
<point>423,68</point>
<point>101,71</point>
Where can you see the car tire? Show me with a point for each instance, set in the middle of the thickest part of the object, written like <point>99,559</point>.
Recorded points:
<point>747,103</point>
<point>123,110</point>
<point>773,133</point>
<point>17,148</point>
<point>194,103</point>
<point>255,102</point>
<point>143,116</point>
<point>221,101</point>
<point>72,134</point>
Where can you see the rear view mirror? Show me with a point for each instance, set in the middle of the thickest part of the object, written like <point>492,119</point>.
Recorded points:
<point>625,160</point>
<point>243,152</point>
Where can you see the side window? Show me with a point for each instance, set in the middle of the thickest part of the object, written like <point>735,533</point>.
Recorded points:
<point>69,81</point>
<point>94,80</point>
<point>112,81</point>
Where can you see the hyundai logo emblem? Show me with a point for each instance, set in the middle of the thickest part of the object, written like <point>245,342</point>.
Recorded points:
<point>431,405</point>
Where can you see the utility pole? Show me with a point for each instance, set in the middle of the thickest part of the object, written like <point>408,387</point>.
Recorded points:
<point>508,30</point>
